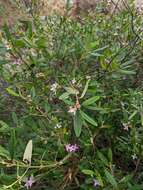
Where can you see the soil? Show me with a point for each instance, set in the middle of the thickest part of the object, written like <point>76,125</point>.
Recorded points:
<point>9,13</point>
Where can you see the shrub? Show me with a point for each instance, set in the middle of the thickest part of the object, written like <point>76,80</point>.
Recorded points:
<point>72,88</point>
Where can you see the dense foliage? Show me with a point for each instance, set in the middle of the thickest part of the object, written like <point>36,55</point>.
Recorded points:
<point>75,89</point>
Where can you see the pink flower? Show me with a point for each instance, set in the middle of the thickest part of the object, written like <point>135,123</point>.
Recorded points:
<point>29,183</point>
<point>72,110</point>
<point>17,62</point>
<point>71,148</point>
<point>95,183</point>
<point>126,126</point>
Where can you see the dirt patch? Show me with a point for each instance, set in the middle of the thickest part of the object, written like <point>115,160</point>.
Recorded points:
<point>9,13</point>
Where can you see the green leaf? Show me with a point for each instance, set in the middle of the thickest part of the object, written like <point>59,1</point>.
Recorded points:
<point>126,179</point>
<point>68,102</point>
<point>12,144</point>
<point>136,187</point>
<point>103,158</point>
<point>11,92</point>
<point>78,124</point>
<point>64,96</point>
<point>111,179</point>
<point>4,153</point>
<point>93,44</point>
<point>19,43</point>
<point>85,89</point>
<point>71,90</point>
<point>99,178</point>
<point>141,118</point>
<point>133,114</point>
<point>7,33</point>
<point>41,42</point>
<point>15,118</point>
<point>96,54</point>
<point>110,155</point>
<point>126,72</point>
<point>90,101</point>
<point>4,127</point>
<point>29,29</point>
<point>47,107</point>
<point>101,49</point>
<point>33,92</point>
<point>88,172</point>
<point>88,119</point>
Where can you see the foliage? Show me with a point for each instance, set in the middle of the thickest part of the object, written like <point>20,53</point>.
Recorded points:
<point>76,83</point>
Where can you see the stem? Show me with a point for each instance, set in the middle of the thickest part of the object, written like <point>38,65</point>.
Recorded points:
<point>37,167</point>
<point>18,180</point>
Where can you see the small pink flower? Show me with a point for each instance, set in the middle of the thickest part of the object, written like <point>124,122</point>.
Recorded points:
<point>72,109</point>
<point>126,126</point>
<point>29,183</point>
<point>95,183</point>
<point>17,62</point>
<point>71,148</point>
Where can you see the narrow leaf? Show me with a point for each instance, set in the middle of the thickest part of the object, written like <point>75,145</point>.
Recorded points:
<point>85,88</point>
<point>64,96</point>
<point>101,49</point>
<point>77,124</point>
<point>141,118</point>
<point>110,155</point>
<point>71,90</point>
<point>126,72</point>
<point>11,92</point>
<point>111,179</point>
<point>4,153</point>
<point>88,118</point>
<point>90,101</point>
<point>88,172</point>
<point>4,127</point>
<point>12,144</point>
<point>103,158</point>
<point>96,54</point>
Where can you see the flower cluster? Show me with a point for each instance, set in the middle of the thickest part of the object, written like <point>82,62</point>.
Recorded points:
<point>54,87</point>
<point>29,183</point>
<point>71,148</point>
<point>17,62</point>
<point>58,126</point>
<point>7,45</point>
<point>73,109</point>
